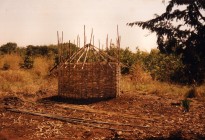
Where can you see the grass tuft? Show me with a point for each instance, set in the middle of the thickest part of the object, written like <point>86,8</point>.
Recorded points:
<point>12,60</point>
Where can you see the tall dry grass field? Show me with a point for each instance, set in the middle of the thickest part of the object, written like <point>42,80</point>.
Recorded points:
<point>11,59</point>
<point>139,81</point>
<point>17,80</point>
<point>42,65</point>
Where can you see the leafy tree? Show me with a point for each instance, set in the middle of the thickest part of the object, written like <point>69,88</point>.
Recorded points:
<point>41,50</point>
<point>127,57</point>
<point>181,30</point>
<point>8,48</point>
<point>28,62</point>
<point>164,67</point>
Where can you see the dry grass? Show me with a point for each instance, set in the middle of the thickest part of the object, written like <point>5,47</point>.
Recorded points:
<point>198,91</point>
<point>201,90</point>
<point>24,81</point>
<point>159,88</point>
<point>42,65</point>
<point>141,82</point>
<point>12,59</point>
<point>152,87</point>
<point>31,81</point>
<point>139,75</point>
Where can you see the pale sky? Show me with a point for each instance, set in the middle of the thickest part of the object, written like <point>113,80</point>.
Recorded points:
<point>35,22</point>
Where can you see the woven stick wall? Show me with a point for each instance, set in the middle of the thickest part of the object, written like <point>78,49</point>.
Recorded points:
<point>95,80</point>
<point>88,73</point>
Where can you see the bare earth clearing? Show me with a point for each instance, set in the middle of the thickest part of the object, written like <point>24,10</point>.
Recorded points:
<point>131,116</point>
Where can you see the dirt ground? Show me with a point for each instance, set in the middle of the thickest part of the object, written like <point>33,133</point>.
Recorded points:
<point>133,115</point>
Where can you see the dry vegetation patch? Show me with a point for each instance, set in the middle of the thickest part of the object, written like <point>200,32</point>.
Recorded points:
<point>18,80</point>
<point>42,65</point>
<point>11,59</point>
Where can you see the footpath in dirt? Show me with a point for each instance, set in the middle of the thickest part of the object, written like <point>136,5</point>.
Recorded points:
<point>131,116</point>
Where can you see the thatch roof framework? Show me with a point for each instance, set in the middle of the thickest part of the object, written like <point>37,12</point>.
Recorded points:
<point>88,73</point>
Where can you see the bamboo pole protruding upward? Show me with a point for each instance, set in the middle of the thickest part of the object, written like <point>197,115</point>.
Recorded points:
<point>107,43</point>
<point>77,41</point>
<point>84,36</point>
<point>58,37</point>
<point>118,44</point>
<point>110,43</point>
<point>91,36</point>
<point>87,50</point>
<point>93,40</point>
<point>62,37</point>
<point>118,71</point>
<point>69,51</point>
<point>62,48</point>
<point>58,47</point>
<point>99,44</point>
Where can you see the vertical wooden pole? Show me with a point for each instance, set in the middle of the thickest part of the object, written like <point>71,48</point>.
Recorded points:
<point>59,90</point>
<point>91,36</point>
<point>58,48</point>
<point>62,36</point>
<point>87,49</point>
<point>99,43</point>
<point>69,50</point>
<point>62,47</point>
<point>110,43</point>
<point>77,40</point>
<point>118,67</point>
<point>118,44</point>
<point>62,59</point>
<point>93,40</point>
<point>84,37</point>
<point>107,42</point>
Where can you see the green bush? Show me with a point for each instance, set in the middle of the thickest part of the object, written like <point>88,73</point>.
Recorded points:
<point>28,62</point>
<point>164,67</point>
<point>127,57</point>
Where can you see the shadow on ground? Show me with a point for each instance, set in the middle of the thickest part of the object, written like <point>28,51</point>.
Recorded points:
<point>59,99</point>
<point>178,135</point>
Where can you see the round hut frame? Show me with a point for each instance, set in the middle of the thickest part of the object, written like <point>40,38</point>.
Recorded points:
<point>89,72</point>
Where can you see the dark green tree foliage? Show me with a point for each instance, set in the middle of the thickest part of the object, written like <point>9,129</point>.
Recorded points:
<point>66,47</point>
<point>66,50</point>
<point>28,62</point>
<point>181,30</point>
<point>127,57</point>
<point>164,67</point>
<point>41,50</point>
<point>8,48</point>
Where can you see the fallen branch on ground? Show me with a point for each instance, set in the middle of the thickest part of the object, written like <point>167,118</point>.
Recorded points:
<point>89,123</point>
